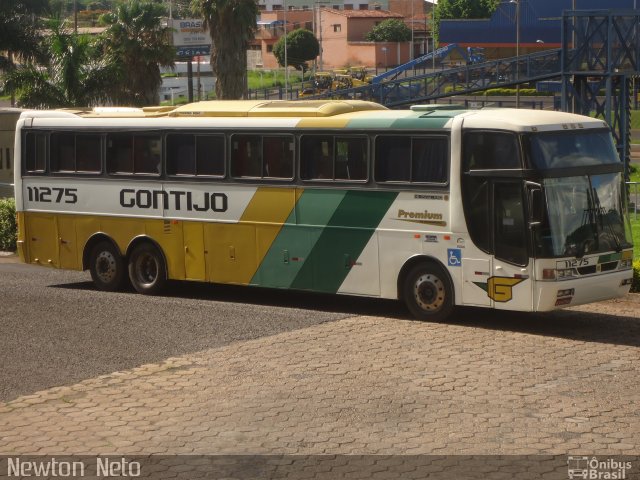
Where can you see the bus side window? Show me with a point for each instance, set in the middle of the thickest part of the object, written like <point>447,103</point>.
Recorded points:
<point>351,159</point>
<point>35,152</point>
<point>393,159</point>
<point>181,154</point>
<point>246,156</point>
<point>88,153</point>
<point>490,150</point>
<point>147,154</point>
<point>316,157</point>
<point>62,152</point>
<point>120,153</point>
<point>210,155</point>
<point>278,157</point>
<point>429,159</point>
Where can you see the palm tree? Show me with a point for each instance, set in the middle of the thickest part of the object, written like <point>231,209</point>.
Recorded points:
<point>231,24</point>
<point>19,30</point>
<point>137,44</point>
<point>70,78</point>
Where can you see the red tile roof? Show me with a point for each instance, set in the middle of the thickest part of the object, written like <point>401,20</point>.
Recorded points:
<point>364,13</point>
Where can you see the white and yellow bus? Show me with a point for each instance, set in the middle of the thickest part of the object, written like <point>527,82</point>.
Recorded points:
<point>8,119</point>
<point>512,209</point>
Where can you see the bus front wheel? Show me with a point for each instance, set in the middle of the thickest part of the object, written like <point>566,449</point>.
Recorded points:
<point>107,267</point>
<point>428,293</point>
<point>147,270</point>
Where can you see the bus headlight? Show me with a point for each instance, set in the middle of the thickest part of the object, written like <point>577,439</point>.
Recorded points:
<point>625,264</point>
<point>565,273</point>
<point>558,273</point>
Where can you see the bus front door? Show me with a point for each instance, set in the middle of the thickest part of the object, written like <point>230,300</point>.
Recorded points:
<point>510,284</point>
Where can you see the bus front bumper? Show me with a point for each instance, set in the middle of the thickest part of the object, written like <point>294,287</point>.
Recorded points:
<point>560,294</point>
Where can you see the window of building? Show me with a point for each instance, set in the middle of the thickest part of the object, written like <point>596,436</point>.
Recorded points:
<point>336,7</point>
<point>337,27</point>
<point>363,6</point>
<point>195,155</point>
<point>269,48</point>
<point>257,156</point>
<point>325,157</point>
<point>409,159</point>
<point>348,6</point>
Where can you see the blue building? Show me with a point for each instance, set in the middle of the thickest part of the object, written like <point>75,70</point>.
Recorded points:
<point>540,25</point>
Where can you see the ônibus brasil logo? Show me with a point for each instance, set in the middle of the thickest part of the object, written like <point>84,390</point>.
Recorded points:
<point>595,469</point>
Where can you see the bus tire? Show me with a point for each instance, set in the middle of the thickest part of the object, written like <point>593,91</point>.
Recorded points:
<point>147,271</point>
<point>107,267</point>
<point>428,293</point>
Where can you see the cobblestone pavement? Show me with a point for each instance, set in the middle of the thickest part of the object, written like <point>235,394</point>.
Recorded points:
<point>485,383</point>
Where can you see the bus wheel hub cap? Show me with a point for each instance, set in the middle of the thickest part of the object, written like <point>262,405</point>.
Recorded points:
<point>428,291</point>
<point>106,266</point>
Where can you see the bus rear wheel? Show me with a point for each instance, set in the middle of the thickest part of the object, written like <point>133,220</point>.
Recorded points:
<point>428,293</point>
<point>147,270</point>
<point>107,267</point>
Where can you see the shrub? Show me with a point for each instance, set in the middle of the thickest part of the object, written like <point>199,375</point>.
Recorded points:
<point>635,286</point>
<point>8,234</point>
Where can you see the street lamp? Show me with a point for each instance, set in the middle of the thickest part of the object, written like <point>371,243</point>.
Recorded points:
<point>286,70</point>
<point>433,40</point>
<point>517,2</point>
<point>384,50</point>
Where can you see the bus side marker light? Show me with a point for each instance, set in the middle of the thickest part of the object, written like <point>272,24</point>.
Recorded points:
<point>417,235</point>
<point>549,274</point>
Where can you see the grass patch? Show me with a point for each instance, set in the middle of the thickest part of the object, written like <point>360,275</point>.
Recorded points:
<point>258,79</point>
<point>635,119</point>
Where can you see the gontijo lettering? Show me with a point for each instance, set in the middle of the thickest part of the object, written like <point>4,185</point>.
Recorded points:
<point>173,199</point>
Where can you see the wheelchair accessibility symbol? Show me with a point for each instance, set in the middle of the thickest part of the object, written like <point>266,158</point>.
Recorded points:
<point>454,256</point>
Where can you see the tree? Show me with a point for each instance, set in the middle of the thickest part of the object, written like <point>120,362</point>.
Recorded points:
<point>302,46</point>
<point>456,9</point>
<point>137,44</point>
<point>73,76</point>
<point>391,30</point>
<point>231,24</point>
<point>20,30</point>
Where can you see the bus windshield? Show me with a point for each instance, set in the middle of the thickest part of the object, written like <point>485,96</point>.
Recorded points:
<point>584,214</point>
<point>567,149</point>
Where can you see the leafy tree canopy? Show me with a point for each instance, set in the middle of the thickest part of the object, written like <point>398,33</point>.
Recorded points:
<point>460,9</point>
<point>135,42</point>
<point>20,30</point>
<point>73,75</point>
<point>302,46</point>
<point>391,30</point>
<point>454,9</point>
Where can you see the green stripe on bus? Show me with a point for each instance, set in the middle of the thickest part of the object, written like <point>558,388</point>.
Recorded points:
<point>299,234</point>
<point>342,241</point>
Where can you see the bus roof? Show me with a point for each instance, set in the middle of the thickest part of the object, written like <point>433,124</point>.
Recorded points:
<point>349,114</point>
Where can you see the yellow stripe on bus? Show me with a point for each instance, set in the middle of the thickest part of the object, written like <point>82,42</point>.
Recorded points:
<point>236,250</point>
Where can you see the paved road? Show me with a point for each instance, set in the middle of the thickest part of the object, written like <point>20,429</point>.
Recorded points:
<point>56,329</point>
<point>230,370</point>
